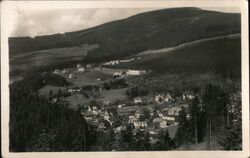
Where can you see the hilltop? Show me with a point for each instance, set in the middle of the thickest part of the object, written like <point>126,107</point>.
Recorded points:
<point>150,30</point>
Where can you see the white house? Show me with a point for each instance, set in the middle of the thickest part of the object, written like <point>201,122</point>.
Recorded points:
<point>140,124</point>
<point>106,102</point>
<point>188,96</point>
<point>157,120</point>
<point>56,71</point>
<point>72,76</point>
<point>106,115</point>
<point>64,71</point>
<point>174,111</point>
<point>160,114</point>
<point>117,129</point>
<point>121,105</point>
<point>160,98</point>
<point>168,118</point>
<point>163,124</point>
<point>137,114</point>
<point>114,62</point>
<point>95,112</point>
<point>88,66</point>
<point>73,89</point>
<point>152,132</point>
<point>89,109</point>
<point>131,119</point>
<point>137,100</point>
<point>78,65</point>
<point>81,69</point>
<point>116,73</point>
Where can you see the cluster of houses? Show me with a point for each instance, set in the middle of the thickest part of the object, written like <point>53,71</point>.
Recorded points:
<point>73,71</point>
<point>188,96</point>
<point>100,117</point>
<point>111,63</point>
<point>158,119</point>
<point>153,122</point>
<point>73,89</point>
<point>161,98</point>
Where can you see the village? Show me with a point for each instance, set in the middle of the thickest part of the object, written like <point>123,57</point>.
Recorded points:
<point>108,107</point>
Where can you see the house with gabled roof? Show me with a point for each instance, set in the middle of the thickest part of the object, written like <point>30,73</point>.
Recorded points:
<point>137,100</point>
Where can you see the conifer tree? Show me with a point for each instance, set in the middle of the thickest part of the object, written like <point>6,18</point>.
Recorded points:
<point>182,135</point>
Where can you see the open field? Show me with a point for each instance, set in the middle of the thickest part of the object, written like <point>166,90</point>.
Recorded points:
<point>48,57</point>
<point>91,76</point>
<point>45,90</point>
<point>105,95</point>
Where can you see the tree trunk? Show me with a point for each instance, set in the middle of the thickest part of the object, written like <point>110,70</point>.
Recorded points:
<point>195,124</point>
<point>228,122</point>
<point>210,132</point>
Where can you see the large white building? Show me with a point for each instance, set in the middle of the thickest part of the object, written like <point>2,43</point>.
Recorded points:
<point>136,72</point>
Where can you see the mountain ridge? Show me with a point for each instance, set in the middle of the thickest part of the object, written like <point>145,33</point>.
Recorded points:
<point>149,30</point>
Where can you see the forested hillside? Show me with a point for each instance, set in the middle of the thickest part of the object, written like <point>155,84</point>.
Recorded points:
<point>222,56</point>
<point>151,30</point>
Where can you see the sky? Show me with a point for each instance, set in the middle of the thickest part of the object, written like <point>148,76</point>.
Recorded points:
<point>37,22</point>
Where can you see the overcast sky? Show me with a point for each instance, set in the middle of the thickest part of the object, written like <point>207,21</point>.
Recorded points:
<point>50,21</point>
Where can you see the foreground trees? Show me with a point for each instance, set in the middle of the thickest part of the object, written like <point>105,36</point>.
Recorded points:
<point>36,124</point>
<point>216,117</point>
<point>39,125</point>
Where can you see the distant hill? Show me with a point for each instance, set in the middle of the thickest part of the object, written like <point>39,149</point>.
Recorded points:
<point>150,30</point>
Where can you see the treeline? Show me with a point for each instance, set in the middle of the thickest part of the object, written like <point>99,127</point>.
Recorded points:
<point>36,124</point>
<point>34,80</point>
<point>179,82</point>
<point>115,84</point>
<point>137,91</point>
<point>214,117</point>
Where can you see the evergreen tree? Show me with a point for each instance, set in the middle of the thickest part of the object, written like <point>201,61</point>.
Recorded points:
<point>232,137</point>
<point>167,141</point>
<point>59,93</point>
<point>182,136</point>
<point>127,136</point>
<point>50,94</point>
<point>146,142</point>
<point>194,112</point>
<point>209,101</point>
